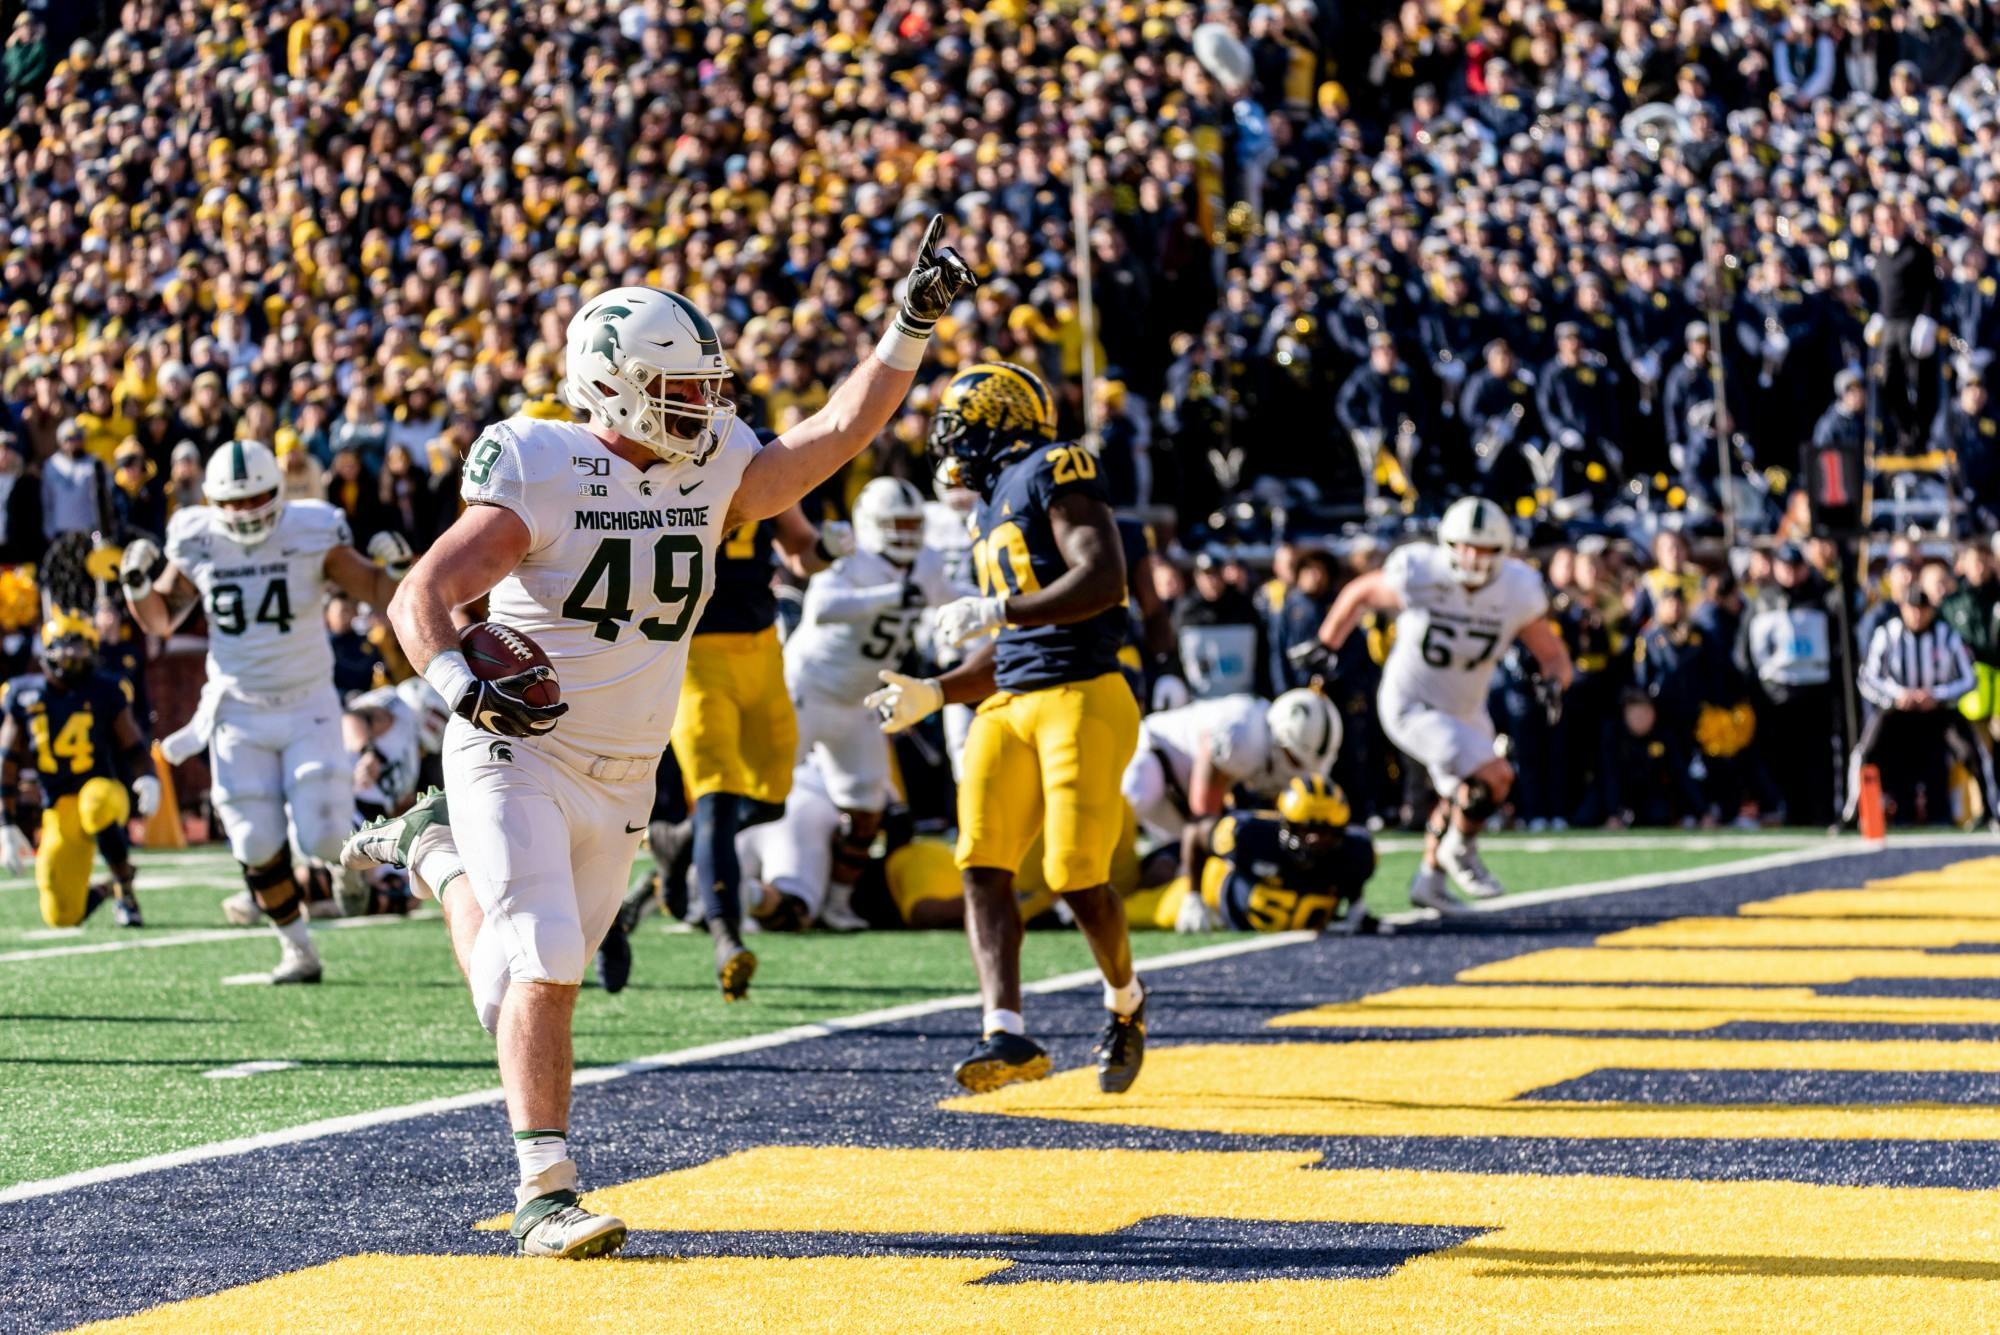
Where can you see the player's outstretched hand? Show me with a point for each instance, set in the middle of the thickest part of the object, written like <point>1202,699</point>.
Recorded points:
<point>1195,914</point>
<point>836,539</point>
<point>938,278</point>
<point>16,853</point>
<point>960,621</point>
<point>499,706</point>
<point>146,794</point>
<point>140,566</point>
<point>903,702</point>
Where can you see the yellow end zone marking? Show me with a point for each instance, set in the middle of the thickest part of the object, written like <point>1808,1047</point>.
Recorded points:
<point>1563,1251</point>
<point>1479,1087</point>
<point>1809,933</point>
<point>1638,964</point>
<point>1954,901</point>
<point>1495,1006</point>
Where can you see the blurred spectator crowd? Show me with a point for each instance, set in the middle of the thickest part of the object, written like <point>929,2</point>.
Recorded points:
<point>1616,266</point>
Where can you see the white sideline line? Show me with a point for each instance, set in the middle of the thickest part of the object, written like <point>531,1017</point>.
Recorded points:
<point>598,1075</point>
<point>199,936</point>
<point>244,1070</point>
<point>1689,842</point>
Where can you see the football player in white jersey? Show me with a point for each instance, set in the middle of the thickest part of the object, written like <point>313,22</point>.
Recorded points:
<point>789,864</point>
<point>388,732</point>
<point>860,617</point>
<point>1458,604</point>
<point>1189,759</point>
<point>597,539</point>
<point>948,531</point>
<point>259,564</point>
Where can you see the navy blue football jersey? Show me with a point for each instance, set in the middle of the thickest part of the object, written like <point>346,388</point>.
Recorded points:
<point>744,565</point>
<point>1268,888</point>
<point>1015,552</point>
<point>71,733</point>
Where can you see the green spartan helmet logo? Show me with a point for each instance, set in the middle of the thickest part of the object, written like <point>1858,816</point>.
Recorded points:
<point>605,341</point>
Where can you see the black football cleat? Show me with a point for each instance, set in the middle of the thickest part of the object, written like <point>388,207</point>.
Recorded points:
<point>1121,1051</point>
<point>614,959</point>
<point>1001,1059</point>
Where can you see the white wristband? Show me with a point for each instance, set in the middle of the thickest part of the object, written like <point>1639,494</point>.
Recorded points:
<point>901,351</point>
<point>449,676</point>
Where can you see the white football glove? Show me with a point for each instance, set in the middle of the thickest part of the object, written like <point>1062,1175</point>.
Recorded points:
<point>1169,692</point>
<point>1195,914</point>
<point>391,550</point>
<point>960,621</point>
<point>904,702</point>
<point>139,566</point>
<point>146,794</point>
<point>16,853</point>
<point>836,539</point>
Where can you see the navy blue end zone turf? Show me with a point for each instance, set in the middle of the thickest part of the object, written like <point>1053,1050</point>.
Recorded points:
<point>416,1186</point>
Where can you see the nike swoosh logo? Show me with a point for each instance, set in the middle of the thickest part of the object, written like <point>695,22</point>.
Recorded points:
<point>634,829</point>
<point>691,486</point>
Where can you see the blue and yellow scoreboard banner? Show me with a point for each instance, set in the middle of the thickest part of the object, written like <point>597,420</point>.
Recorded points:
<point>1766,1101</point>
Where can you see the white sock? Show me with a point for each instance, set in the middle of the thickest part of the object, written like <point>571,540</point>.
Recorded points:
<point>1453,838</point>
<point>294,935</point>
<point>434,870</point>
<point>1124,1000</point>
<point>545,1164</point>
<point>433,857</point>
<point>1004,1022</point>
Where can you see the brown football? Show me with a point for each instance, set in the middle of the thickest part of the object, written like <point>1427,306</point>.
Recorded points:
<point>493,650</point>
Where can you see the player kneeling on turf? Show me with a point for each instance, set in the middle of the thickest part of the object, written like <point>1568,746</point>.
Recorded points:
<point>859,617</point>
<point>72,726</point>
<point>1458,604</point>
<point>1299,868</point>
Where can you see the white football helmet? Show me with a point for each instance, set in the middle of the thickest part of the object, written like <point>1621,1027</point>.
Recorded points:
<point>1475,534</point>
<point>889,520</point>
<point>626,348</point>
<point>245,470</point>
<point>1306,729</point>
<point>423,701</point>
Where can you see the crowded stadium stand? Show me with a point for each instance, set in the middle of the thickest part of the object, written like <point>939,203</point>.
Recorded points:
<point>1704,296</point>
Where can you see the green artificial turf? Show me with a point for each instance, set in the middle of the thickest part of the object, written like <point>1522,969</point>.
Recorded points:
<point>102,1055</point>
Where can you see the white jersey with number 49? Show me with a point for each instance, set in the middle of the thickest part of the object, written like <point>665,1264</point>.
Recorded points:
<point>620,563</point>
<point>1450,638</point>
<point>857,621</point>
<point>266,627</point>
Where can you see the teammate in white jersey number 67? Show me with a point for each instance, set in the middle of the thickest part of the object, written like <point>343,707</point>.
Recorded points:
<point>1459,604</point>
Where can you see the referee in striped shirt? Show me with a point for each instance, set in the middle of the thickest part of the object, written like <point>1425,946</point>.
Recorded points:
<point>1915,670</point>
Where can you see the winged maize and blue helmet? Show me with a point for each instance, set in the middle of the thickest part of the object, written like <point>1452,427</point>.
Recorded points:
<point>987,411</point>
<point>1314,811</point>
<point>68,647</point>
